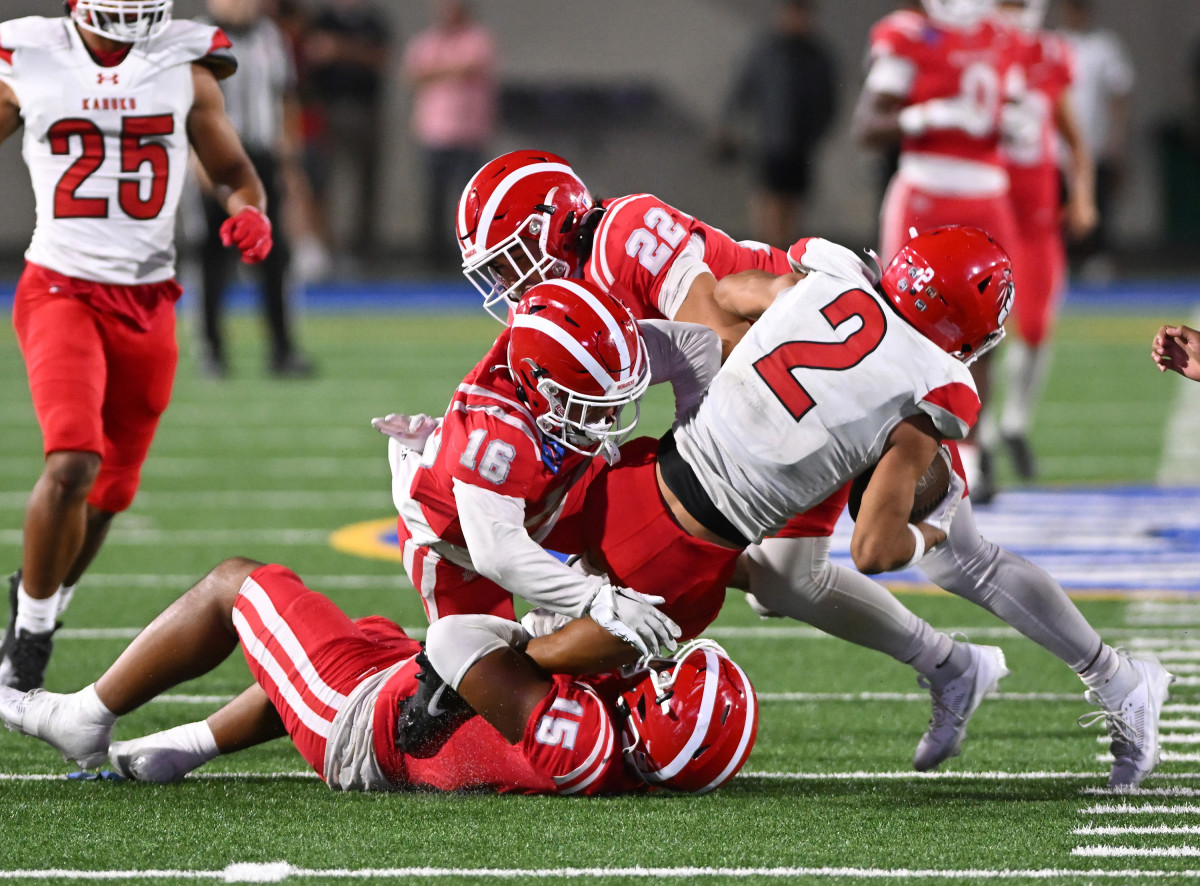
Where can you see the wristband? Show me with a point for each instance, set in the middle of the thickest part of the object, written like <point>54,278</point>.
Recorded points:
<point>919,550</point>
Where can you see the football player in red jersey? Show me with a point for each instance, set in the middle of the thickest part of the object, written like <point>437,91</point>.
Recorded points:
<point>935,87</point>
<point>487,491</point>
<point>343,689</point>
<point>1036,116</point>
<point>112,98</point>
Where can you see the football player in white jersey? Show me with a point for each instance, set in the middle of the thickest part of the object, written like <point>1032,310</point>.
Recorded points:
<point>111,96</point>
<point>749,485</point>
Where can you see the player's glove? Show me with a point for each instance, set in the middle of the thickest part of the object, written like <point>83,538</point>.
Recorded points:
<point>249,231</point>
<point>943,514</point>
<point>945,113</point>
<point>632,616</point>
<point>408,430</point>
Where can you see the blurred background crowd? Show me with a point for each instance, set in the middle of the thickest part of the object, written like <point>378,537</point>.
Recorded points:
<point>370,116</point>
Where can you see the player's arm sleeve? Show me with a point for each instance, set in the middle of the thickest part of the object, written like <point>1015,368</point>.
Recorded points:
<point>954,408</point>
<point>493,526</point>
<point>687,355</point>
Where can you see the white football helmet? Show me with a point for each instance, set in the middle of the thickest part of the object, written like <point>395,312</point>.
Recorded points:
<point>125,21</point>
<point>958,13</point>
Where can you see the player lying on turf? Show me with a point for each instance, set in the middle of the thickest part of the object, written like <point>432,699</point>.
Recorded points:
<point>526,216</point>
<point>344,691</point>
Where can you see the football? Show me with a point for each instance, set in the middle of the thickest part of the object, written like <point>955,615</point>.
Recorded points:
<point>931,488</point>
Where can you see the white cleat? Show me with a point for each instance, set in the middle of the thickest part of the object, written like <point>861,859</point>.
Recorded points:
<point>954,704</point>
<point>1133,726</point>
<point>144,759</point>
<point>53,718</point>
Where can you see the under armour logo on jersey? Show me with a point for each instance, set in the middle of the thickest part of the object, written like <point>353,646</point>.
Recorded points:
<point>103,78</point>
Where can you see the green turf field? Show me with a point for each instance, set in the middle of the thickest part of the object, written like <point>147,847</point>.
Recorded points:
<point>269,469</point>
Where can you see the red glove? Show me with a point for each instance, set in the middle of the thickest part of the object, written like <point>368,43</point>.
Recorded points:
<point>249,231</point>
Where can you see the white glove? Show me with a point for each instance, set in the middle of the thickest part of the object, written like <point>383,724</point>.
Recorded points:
<point>407,430</point>
<point>541,621</point>
<point>943,515</point>
<point>632,616</point>
<point>946,113</point>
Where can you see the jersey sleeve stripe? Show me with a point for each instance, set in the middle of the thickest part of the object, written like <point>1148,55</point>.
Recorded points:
<point>605,277</point>
<point>6,55</point>
<point>955,401</point>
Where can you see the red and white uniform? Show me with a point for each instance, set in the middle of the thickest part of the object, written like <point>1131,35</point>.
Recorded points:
<point>807,399</point>
<point>338,685</point>
<point>947,175</point>
<point>1046,69</point>
<point>490,493</point>
<point>647,254</point>
<point>488,460</point>
<point>106,147</point>
<point>107,151</point>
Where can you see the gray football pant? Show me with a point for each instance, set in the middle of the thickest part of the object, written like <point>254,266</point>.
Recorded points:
<point>793,576</point>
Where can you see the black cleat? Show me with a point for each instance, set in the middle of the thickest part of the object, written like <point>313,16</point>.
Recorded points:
<point>428,717</point>
<point>1021,454</point>
<point>983,490</point>
<point>23,654</point>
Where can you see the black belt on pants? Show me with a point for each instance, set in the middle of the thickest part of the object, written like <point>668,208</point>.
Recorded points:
<point>679,477</point>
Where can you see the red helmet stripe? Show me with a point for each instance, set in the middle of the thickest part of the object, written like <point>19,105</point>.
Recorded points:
<point>488,212</point>
<point>567,342</point>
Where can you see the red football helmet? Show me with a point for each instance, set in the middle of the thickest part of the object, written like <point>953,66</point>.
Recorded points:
<point>125,21</point>
<point>578,359</point>
<point>958,13</point>
<point>692,721</point>
<point>954,284</point>
<point>518,223</point>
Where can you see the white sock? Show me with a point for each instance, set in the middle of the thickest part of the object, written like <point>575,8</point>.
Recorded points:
<point>195,740</point>
<point>35,616</point>
<point>1110,677</point>
<point>65,593</point>
<point>91,709</point>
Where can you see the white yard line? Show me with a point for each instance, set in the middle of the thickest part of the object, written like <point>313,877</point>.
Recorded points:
<point>278,872</point>
<point>1141,808</point>
<point>1153,829</point>
<point>1137,851</point>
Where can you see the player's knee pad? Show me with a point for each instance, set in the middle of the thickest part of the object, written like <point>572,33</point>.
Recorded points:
<point>455,642</point>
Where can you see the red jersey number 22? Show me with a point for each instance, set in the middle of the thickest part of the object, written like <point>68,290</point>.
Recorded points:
<point>775,368</point>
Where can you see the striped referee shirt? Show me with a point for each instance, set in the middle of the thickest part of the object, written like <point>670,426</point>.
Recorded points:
<point>254,96</point>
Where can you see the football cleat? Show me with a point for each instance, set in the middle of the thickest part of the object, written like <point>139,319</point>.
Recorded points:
<point>429,716</point>
<point>1021,454</point>
<point>144,759</point>
<point>23,654</point>
<point>1133,726</point>
<point>54,719</point>
<point>954,703</point>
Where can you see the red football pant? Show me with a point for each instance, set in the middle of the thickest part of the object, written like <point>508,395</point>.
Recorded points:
<point>309,655</point>
<point>99,384</point>
<point>1038,255</point>
<point>905,206</point>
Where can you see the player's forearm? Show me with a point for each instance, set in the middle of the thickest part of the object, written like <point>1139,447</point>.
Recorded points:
<point>687,355</point>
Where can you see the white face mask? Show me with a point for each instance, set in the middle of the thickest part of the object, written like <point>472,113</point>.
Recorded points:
<point>125,21</point>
